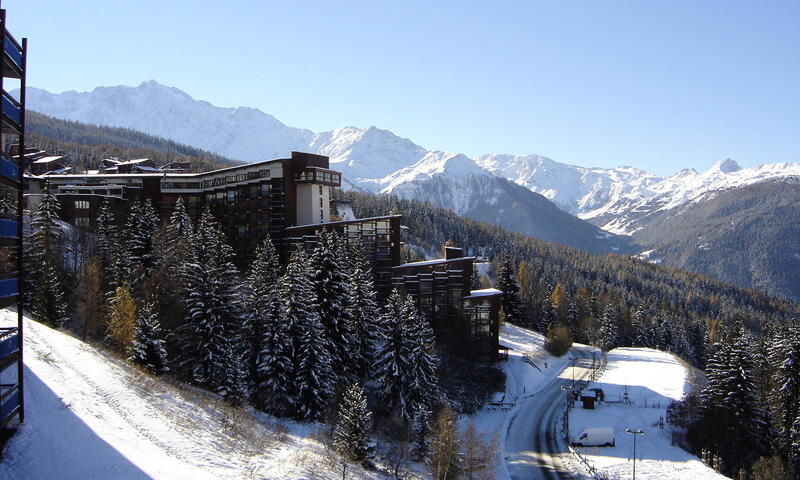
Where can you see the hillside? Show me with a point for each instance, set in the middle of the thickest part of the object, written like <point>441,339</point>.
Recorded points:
<point>86,145</point>
<point>749,236</point>
<point>93,416</point>
<point>660,290</point>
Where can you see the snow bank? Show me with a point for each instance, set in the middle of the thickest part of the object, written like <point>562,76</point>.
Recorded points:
<point>651,379</point>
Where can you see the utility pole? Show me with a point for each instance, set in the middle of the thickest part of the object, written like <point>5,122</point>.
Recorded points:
<point>637,432</point>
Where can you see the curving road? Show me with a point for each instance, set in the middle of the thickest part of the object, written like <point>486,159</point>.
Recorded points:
<point>534,449</point>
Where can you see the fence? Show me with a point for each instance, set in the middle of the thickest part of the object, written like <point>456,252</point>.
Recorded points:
<point>597,372</point>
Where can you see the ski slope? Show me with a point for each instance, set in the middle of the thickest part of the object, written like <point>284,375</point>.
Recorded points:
<point>652,380</point>
<point>92,416</point>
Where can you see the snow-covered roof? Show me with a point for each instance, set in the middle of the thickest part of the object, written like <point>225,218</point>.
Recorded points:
<point>48,159</point>
<point>147,169</point>
<point>433,262</point>
<point>134,162</point>
<point>484,292</point>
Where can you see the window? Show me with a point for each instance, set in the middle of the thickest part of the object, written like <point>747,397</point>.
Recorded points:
<point>81,204</point>
<point>231,195</point>
<point>82,222</point>
<point>264,173</point>
<point>242,231</point>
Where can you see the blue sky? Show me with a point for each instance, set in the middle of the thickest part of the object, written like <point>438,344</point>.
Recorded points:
<point>659,85</point>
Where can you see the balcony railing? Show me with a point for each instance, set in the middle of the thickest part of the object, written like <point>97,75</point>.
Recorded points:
<point>12,109</point>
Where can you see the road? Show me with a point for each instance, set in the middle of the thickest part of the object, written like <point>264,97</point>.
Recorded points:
<point>534,450</point>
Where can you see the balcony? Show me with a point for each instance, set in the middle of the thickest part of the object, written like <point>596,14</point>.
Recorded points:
<point>11,114</point>
<point>12,57</point>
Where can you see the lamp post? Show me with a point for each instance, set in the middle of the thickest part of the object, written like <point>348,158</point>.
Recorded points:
<point>634,433</point>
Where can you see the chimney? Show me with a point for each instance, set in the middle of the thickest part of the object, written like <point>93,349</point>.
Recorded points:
<point>453,252</point>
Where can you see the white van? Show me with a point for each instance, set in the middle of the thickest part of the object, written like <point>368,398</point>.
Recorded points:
<point>595,437</point>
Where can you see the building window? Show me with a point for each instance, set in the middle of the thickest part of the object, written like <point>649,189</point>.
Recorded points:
<point>81,221</point>
<point>81,204</point>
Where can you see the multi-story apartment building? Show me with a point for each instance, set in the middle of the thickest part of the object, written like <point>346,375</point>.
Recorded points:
<point>12,131</point>
<point>468,320</point>
<point>251,200</point>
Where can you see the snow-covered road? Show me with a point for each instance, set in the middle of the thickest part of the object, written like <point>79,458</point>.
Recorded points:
<point>533,447</point>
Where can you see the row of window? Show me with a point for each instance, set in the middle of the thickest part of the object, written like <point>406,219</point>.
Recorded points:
<point>319,176</point>
<point>240,177</point>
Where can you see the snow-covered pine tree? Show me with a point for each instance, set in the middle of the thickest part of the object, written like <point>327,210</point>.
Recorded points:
<point>640,327</point>
<point>421,380</point>
<point>148,344</point>
<point>141,226</point>
<point>730,407</point>
<point>213,315</point>
<point>330,283</point>
<point>608,333</point>
<point>475,279</point>
<point>106,237</point>
<point>42,240</point>
<point>363,309</point>
<point>787,382</point>
<point>237,381</point>
<point>49,297</point>
<point>391,362</point>
<point>355,421</point>
<point>406,362</point>
<point>313,374</point>
<point>272,337</point>
<point>794,448</point>
<point>506,282</point>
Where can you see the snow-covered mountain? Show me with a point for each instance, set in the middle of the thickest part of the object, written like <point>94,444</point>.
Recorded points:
<point>619,200</point>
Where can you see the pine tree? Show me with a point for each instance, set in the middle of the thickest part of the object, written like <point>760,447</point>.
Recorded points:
<point>475,279</point>
<point>148,345</point>
<point>106,237</point>
<point>422,385</point>
<point>49,298</point>
<point>731,412</point>
<point>122,321</point>
<point>794,447</point>
<point>640,328</point>
<point>787,382</point>
<point>237,380</point>
<point>363,309</point>
<point>406,359</point>
<point>608,334</point>
<point>330,283</point>
<point>273,369</point>
<point>506,282</point>
<point>213,315</point>
<point>41,250</point>
<point>350,437</point>
<point>313,374</point>
<point>141,227</point>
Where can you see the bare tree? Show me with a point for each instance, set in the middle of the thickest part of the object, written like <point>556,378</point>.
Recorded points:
<point>478,457</point>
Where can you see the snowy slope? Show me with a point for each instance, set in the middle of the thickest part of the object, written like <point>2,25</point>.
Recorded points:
<point>92,416</point>
<point>652,379</point>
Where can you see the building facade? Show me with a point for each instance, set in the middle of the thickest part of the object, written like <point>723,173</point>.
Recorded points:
<point>251,200</point>
<point>467,320</point>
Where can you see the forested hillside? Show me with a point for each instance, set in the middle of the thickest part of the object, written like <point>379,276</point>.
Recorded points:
<point>662,291</point>
<point>86,145</point>
<point>749,236</point>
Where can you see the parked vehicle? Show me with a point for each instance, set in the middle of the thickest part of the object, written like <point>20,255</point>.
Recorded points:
<point>595,437</point>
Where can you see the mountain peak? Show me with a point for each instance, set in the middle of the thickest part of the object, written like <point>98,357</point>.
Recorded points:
<point>727,165</point>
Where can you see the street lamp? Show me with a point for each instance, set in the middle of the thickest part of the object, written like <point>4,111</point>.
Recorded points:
<point>637,432</point>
